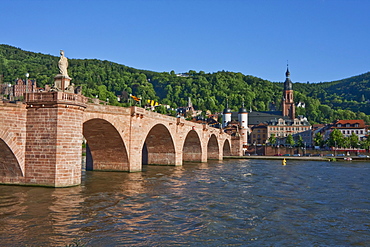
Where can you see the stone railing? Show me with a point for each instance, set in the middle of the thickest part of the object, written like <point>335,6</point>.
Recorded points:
<point>55,97</point>
<point>52,99</point>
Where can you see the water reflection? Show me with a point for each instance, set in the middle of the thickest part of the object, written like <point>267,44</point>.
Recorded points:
<point>64,211</point>
<point>199,204</point>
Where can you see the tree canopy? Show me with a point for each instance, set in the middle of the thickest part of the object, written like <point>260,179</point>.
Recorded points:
<point>324,102</point>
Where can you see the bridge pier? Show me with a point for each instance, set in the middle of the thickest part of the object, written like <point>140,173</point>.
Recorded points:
<point>53,139</point>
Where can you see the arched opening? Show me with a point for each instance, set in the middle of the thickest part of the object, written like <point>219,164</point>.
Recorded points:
<point>158,148</point>
<point>145,155</point>
<point>226,149</point>
<point>9,165</point>
<point>105,149</point>
<point>212,148</point>
<point>192,150</point>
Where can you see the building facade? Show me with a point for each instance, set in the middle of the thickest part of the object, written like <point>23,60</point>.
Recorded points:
<point>347,128</point>
<point>24,86</point>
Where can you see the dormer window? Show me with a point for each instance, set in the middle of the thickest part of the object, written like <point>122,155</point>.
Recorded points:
<point>348,125</point>
<point>356,125</point>
<point>339,125</point>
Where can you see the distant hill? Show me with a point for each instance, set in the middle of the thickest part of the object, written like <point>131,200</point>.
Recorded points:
<point>208,91</point>
<point>352,93</point>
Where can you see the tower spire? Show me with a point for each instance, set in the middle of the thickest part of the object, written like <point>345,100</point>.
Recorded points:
<point>287,73</point>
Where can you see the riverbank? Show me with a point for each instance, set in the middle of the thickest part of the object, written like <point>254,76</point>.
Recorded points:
<point>305,158</point>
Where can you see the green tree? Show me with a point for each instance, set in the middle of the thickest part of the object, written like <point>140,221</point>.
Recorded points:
<point>272,139</point>
<point>300,142</point>
<point>319,140</point>
<point>353,140</point>
<point>336,139</point>
<point>365,144</point>
<point>290,140</point>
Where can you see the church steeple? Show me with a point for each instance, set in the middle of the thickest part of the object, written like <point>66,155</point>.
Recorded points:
<point>287,73</point>
<point>288,82</point>
<point>288,102</point>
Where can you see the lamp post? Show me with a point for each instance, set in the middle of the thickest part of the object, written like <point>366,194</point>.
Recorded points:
<point>27,75</point>
<point>9,91</point>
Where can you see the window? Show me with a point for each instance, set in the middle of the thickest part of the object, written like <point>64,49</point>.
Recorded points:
<point>356,125</point>
<point>348,125</point>
<point>339,125</point>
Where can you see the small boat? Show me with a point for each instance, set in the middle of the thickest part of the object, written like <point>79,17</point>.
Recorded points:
<point>348,158</point>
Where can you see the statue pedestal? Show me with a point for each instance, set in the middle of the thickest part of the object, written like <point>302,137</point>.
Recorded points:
<point>62,82</point>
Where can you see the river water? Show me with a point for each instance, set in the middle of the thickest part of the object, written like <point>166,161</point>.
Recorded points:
<point>228,203</point>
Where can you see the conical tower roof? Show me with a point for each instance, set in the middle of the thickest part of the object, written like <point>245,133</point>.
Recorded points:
<point>288,85</point>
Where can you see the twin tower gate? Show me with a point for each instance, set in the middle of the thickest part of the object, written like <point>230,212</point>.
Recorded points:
<point>41,140</point>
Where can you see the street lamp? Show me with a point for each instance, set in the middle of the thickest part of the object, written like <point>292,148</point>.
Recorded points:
<point>9,91</point>
<point>27,75</point>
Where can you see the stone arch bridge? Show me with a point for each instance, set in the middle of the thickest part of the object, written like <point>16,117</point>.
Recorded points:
<point>41,139</point>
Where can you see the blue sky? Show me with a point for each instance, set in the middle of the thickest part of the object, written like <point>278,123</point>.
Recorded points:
<point>323,40</point>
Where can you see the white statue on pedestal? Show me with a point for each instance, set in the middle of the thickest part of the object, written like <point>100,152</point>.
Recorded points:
<point>62,80</point>
<point>63,64</point>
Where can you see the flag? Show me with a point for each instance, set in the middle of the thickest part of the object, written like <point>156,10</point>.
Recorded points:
<point>135,98</point>
<point>152,102</point>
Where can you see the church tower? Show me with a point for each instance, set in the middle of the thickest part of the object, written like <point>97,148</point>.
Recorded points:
<point>288,102</point>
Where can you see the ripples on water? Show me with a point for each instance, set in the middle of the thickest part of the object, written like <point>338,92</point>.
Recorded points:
<point>229,203</point>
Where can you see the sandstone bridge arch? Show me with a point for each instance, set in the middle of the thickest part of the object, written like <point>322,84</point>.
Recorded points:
<point>10,167</point>
<point>105,147</point>
<point>192,148</point>
<point>45,148</point>
<point>158,147</point>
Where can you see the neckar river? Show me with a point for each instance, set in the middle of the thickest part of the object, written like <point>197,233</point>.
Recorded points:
<point>228,203</point>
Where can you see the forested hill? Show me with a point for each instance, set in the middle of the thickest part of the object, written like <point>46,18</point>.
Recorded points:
<point>324,102</point>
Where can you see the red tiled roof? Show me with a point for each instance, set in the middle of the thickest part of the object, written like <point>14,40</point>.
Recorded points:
<point>360,122</point>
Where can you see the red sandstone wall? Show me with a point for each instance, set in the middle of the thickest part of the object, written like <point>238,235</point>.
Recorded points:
<point>41,145</point>
<point>69,146</point>
<point>12,142</point>
<point>54,145</point>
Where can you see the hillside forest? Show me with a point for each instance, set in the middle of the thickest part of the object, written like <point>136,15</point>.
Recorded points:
<point>322,102</point>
